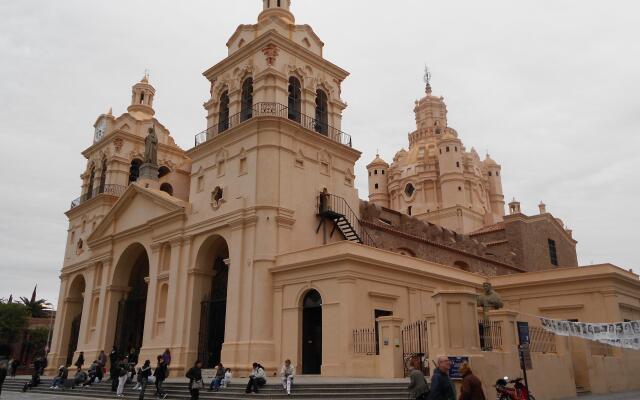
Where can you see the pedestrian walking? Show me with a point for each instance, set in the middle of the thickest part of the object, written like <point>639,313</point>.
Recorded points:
<point>441,386</point>
<point>113,369</point>
<point>287,373</point>
<point>80,361</point>
<point>257,378</point>
<point>166,356</point>
<point>418,386</point>
<point>14,368</point>
<point>160,374</point>
<point>123,374</point>
<point>195,380</point>
<point>471,385</point>
<point>102,359</point>
<point>3,375</point>
<point>145,373</point>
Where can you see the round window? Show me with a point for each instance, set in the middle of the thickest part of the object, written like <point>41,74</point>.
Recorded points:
<point>409,190</point>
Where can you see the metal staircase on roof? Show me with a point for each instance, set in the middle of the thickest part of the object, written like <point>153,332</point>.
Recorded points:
<point>337,210</point>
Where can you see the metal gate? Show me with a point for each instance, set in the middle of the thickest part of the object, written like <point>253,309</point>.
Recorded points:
<point>415,344</point>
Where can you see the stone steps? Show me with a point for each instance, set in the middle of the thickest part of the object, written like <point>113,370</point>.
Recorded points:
<point>310,391</point>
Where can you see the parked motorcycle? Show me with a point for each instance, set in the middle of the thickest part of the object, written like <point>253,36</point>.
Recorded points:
<point>516,392</point>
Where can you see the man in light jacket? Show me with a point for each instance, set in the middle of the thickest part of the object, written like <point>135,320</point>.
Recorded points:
<point>288,372</point>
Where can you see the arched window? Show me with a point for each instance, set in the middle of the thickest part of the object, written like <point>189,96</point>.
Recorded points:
<point>409,210</point>
<point>134,170</point>
<point>103,176</point>
<point>322,113</point>
<point>163,171</point>
<point>142,98</point>
<point>167,188</point>
<point>92,177</point>
<point>279,3</point>
<point>246,111</point>
<point>295,99</point>
<point>223,117</point>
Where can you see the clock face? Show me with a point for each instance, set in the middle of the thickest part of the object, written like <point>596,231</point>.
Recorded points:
<point>101,127</point>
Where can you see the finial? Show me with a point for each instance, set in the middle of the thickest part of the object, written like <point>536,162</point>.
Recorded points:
<point>427,79</point>
<point>110,112</point>
<point>145,78</point>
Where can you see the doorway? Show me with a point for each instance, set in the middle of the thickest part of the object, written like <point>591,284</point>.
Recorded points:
<point>377,314</point>
<point>579,359</point>
<point>132,309</point>
<point>312,333</point>
<point>213,316</point>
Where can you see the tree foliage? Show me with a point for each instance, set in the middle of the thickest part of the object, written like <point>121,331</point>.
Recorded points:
<point>37,340</point>
<point>14,319</point>
<point>36,308</point>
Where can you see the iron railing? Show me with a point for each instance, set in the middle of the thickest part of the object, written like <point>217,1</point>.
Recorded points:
<point>274,110</point>
<point>415,344</point>
<point>330,204</point>
<point>364,341</point>
<point>490,335</point>
<point>542,341</point>
<point>110,190</point>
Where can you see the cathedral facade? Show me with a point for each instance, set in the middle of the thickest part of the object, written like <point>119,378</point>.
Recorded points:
<point>253,245</point>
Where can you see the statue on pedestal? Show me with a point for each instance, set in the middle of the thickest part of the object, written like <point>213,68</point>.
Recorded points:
<point>489,300</point>
<point>151,147</point>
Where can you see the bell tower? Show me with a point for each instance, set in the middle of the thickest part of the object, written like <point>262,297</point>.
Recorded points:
<point>141,107</point>
<point>277,8</point>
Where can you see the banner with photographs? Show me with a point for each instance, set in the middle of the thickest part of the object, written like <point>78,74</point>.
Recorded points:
<point>620,334</point>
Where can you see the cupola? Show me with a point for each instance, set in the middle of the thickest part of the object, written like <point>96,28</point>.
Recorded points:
<point>278,9</point>
<point>142,95</point>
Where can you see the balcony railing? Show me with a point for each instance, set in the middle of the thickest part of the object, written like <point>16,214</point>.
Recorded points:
<point>274,110</point>
<point>111,190</point>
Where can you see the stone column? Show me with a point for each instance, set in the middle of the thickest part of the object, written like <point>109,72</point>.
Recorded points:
<point>55,351</point>
<point>172,296</point>
<point>149,348</point>
<point>102,305</point>
<point>456,323</point>
<point>390,339</point>
<point>87,298</point>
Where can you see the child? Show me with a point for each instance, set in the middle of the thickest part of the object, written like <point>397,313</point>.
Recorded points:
<point>227,378</point>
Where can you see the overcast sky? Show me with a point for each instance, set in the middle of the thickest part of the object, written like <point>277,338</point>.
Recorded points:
<point>550,88</point>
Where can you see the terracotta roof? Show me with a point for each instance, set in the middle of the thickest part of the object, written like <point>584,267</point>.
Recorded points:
<point>487,229</point>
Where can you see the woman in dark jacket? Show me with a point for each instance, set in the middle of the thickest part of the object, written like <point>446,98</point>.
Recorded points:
<point>80,362</point>
<point>195,380</point>
<point>144,374</point>
<point>418,386</point>
<point>160,375</point>
<point>471,385</point>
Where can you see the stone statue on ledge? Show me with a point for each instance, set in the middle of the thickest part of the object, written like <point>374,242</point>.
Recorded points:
<point>149,169</point>
<point>151,147</point>
<point>489,300</point>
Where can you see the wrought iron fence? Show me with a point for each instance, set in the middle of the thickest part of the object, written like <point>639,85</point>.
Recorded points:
<point>364,341</point>
<point>415,344</point>
<point>111,190</point>
<point>542,341</point>
<point>330,205</point>
<point>274,110</point>
<point>490,335</point>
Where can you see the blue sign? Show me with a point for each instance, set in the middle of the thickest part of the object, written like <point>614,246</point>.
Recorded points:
<point>456,363</point>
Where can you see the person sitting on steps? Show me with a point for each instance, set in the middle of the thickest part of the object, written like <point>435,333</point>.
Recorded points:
<point>257,378</point>
<point>287,373</point>
<point>217,380</point>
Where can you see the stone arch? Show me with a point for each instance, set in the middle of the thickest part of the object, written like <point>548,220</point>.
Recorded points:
<point>73,301</point>
<point>212,266</point>
<point>129,285</point>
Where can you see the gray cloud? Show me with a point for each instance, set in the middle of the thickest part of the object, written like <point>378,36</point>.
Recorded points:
<point>551,89</point>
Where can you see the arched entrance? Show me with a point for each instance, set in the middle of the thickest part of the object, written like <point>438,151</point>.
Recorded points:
<point>133,268</point>
<point>75,299</point>
<point>213,260</point>
<point>312,333</point>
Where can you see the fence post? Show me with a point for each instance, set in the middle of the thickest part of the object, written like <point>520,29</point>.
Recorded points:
<point>507,320</point>
<point>390,337</point>
<point>456,323</point>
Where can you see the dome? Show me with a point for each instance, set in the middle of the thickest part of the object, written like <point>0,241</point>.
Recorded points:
<point>489,162</point>
<point>378,161</point>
